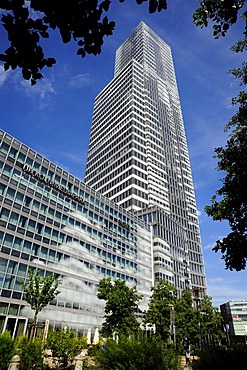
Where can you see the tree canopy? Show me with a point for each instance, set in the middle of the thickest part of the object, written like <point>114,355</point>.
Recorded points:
<point>195,319</point>
<point>64,345</point>
<point>120,308</point>
<point>230,201</point>
<point>222,14</point>
<point>160,306</point>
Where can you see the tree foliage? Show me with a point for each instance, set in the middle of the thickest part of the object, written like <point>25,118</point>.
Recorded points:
<point>186,318</point>
<point>28,22</point>
<point>222,14</point>
<point>160,306</point>
<point>38,291</point>
<point>230,201</point>
<point>221,357</point>
<point>197,319</point>
<point>120,307</point>
<point>194,319</point>
<point>210,320</point>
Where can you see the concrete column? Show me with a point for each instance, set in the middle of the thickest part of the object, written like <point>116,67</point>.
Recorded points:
<point>14,363</point>
<point>79,362</point>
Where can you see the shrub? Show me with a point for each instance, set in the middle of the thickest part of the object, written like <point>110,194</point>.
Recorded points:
<point>30,352</point>
<point>64,347</point>
<point>83,342</point>
<point>6,349</point>
<point>137,353</point>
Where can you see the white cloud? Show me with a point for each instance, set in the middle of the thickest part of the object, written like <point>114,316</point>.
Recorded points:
<point>81,80</point>
<point>199,185</point>
<point>42,89</point>
<point>216,280</point>
<point>209,246</point>
<point>3,75</point>
<point>40,94</point>
<point>224,290</point>
<point>75,157</point>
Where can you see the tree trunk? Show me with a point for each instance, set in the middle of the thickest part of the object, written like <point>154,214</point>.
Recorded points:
<point>33,325</point>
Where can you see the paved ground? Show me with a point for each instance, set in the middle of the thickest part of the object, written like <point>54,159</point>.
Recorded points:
<point>183,362</point>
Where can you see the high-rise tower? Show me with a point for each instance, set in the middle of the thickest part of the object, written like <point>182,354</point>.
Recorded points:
<point>138,155</point>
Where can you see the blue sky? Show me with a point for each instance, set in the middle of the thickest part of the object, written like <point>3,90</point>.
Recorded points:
<point>54,117</point>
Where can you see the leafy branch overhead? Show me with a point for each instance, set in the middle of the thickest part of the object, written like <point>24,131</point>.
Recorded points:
<point>222,14</point>
<point>27,23</point>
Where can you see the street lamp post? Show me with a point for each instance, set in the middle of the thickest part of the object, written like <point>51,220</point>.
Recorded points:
<point>172,325</point>
<point>172,316</point>
<point>197,300</point>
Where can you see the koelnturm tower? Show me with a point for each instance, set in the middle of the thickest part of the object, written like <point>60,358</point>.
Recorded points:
<point>138,155</point>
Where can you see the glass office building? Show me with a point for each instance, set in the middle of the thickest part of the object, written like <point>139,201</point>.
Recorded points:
<point>138,155</point>
<point>50,220</point>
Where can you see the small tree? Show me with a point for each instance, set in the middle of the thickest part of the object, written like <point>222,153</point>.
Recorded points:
<point>160,306</point>
<point>39,292</point>
<point>120,307</point>
<point>211,320</point>
<point>186,318</point>
<point>200,322</point>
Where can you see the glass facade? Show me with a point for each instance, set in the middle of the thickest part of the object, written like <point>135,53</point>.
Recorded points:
<point>52,221</point>
<point>138,155</point>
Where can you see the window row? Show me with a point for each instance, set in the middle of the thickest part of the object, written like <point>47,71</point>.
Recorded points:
<point>118,177</point>
<point>47,209</point>
<point>132,181</point>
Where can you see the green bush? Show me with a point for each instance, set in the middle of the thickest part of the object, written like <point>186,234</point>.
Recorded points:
<point>6,349</point>
<point>30,352</point>
<point>64,346</point>
<point>137,353</point>
<point>83,342</point>
<point>216,358</point>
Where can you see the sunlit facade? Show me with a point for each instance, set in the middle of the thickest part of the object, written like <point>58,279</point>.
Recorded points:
<point>52,221</point>
<point>138,155</point>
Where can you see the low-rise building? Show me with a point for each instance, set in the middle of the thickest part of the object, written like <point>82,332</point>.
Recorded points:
<point>234,315</point>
